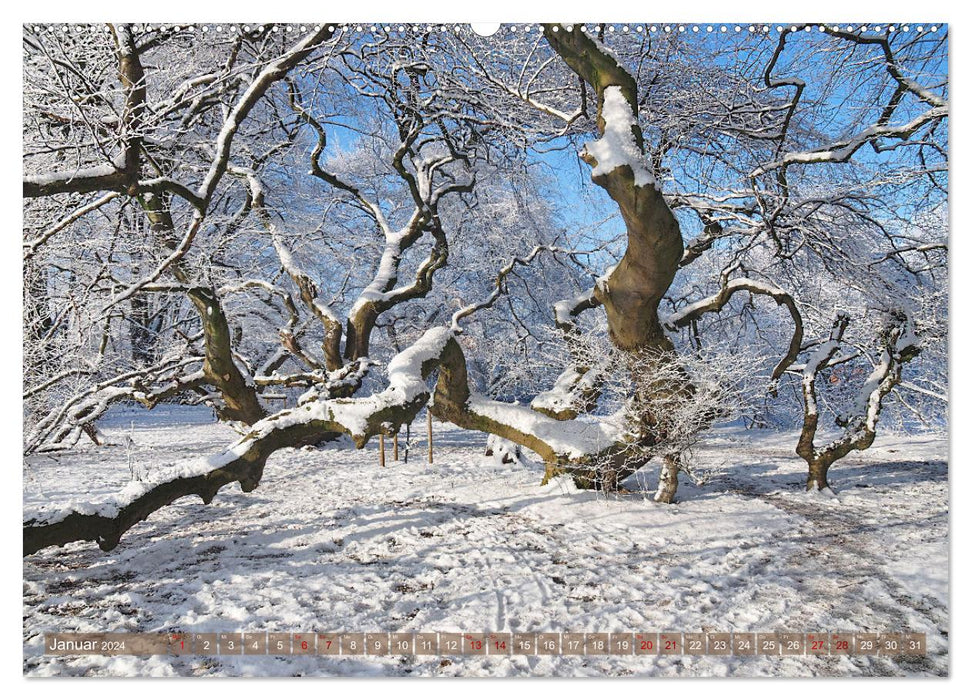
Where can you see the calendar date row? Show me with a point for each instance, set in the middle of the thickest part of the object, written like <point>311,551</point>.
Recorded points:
<point>490,643</point>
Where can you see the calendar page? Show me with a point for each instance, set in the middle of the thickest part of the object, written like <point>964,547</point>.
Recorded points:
<point>599,349</point>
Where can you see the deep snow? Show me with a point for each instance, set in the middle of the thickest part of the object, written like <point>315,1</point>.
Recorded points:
<point>333,542</point>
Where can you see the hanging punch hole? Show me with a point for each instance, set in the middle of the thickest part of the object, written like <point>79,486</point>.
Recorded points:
<point>486,29</point>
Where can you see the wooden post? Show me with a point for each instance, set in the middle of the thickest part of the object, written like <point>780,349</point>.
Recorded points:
<point>381,447</point>
<point>396,447</point>
<point>431,457</point>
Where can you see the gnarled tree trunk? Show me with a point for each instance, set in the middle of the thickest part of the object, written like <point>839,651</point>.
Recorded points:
<point>632,291</point>
<point>900,345</point>
<point>220,369</point>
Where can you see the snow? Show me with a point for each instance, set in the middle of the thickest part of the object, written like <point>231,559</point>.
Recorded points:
<point>566,391</point>
<point>405,368</point>
<point>405,383</point>
<point>842,151</point>
<point>573,438</point>
<point>503,451</point>
<point>729,289</point>
<point>293,269</point>
<point>331,541</point>
<point>822,355</point>
<point>871,390</point>
<point>90,172</point>
<point>387,272</point>
<point>562,310</point>
<point>617,146</point>
<point>560,397</point>
<point>110,504</point>
<point>603,282</point>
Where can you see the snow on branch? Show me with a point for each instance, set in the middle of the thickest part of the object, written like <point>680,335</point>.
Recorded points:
<point>382,293</point>
<point>104,521</point>
<point>575,391</point>
<point>305,284</point>
<point>891,64</point>
<point>633,288</point>
<point>841,151</point>
<point>319,172</point>
<point>558,443</point>
<point>899,344</point>
<point>271,73</point>
<point>63,425</point>
<point>717,302</point>
<point>501,276</point>
<point>819,360</point>
<point>94,178</point>
<point>562,441</point>
<point>617,146</point>
<point>31,246</point>
<point>578,388</point>
<point>566,311</point>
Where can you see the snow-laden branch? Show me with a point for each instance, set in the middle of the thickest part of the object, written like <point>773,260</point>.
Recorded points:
<point>93,178</point>
<point>891,64</point>
<point>62,426</point>
<point>381,291</point>
<point>106,520</point>
<point>819,360</point>
<point>899,344</point>
<point>523,88</point>
<point>558,442</point>
<point>318,171</point>
<point>841,151</point>
<point>936,395</point>
<point>575,391</point>
<point>310,296</point>
<point>341,383</point>
<point>306,285</point>
<point>121,172</point>
<point>566,311</point>
<point>270,74</point>
<point>31,246</point>
<point>221,368</point>
<point>498,286</point>
<point>717,302</point>
<point>578,388</point>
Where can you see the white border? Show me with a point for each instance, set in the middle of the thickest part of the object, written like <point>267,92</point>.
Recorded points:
<point>437,11</point>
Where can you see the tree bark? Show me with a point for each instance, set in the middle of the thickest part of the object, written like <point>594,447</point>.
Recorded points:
<point>240,397</point>
<point>632,291</point>
<point>818,469</point>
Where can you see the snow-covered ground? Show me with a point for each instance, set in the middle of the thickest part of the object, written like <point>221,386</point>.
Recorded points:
<point>333,542</point>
